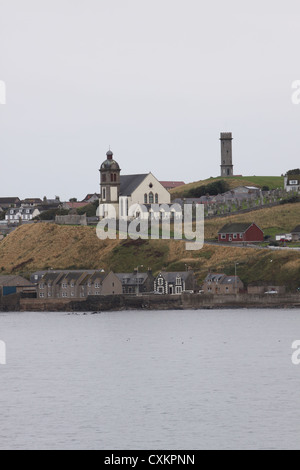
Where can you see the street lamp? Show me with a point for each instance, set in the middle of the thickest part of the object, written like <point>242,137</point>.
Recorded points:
<point>235,271</point>
<point>137,278</point>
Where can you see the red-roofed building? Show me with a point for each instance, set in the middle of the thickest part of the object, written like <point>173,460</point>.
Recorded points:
<point>172,184</point>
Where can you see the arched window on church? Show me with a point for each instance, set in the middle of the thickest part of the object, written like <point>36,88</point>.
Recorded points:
<point>151,198</point>
<point>115,177</point>
<point>146,199</point>
<point>156,198</point>
<point>112,177</point>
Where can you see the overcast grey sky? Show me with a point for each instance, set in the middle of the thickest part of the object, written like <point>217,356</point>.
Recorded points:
<point>158,80</point>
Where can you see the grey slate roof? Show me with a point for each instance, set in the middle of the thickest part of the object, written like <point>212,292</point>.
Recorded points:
<point>11,280</point>
<point>131,278</point>
<point>230,280</point>
<point>296,229</point>
<point>222,279</point>
<point>212,277</point>
<point>172,276</point>
<point>235,228</point>
<point>130,183</point>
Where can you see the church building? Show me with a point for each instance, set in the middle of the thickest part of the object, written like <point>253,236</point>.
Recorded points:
<point>124,192</point>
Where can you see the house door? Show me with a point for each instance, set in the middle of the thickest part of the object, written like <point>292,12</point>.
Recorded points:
<point>171,290</point>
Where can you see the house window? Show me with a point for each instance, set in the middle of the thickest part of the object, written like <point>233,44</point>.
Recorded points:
<point>49,294</point>
<point>42,295</point>
<point>97,285</point>
<point>42,286</point>
<point>160,281</point>
<point>235,236</point>
<point>227,289</point>
<point>72,294</point>
<point>156,198</point>
<point>146,199</point>
<point>151,198</point>
<point>65,286</point>
<point>178,281</point>
<point>178,289</point>
<point>241,235</point>
<point>223,236</point>
<point>89,284</point>
<point>97,292</point>
<point>103,194</point>
<point>72,284</point>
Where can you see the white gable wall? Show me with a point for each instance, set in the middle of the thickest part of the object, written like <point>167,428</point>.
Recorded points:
<point>137,197</point>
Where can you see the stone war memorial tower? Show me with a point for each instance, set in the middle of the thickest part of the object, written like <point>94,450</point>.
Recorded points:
<point>226,154</point>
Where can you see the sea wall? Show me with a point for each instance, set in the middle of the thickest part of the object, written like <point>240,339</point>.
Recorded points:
<point>152,302</point>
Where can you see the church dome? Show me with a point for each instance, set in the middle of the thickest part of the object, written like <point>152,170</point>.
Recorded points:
<point>110,163</point>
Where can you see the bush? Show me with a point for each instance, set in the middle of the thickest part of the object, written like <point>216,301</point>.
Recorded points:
<point>212,189</point>
<point>51,214</point>
<point>290,200</point>
<point>89,209</point>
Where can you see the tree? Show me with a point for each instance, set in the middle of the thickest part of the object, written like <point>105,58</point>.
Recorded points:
<point>73,199</point>
<point>294,172</point>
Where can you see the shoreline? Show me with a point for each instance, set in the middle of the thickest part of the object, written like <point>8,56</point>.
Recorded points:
<point>98,304</point>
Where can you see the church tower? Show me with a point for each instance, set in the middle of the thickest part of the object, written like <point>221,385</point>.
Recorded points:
<point>110,180</point>
<point>226,154</point>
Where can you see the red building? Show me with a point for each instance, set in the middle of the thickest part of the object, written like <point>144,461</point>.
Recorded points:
<point>240,233</point>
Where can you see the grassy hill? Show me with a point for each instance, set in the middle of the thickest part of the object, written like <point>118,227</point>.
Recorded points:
<point>43,246</point>
<point>273,182</point>
<point>275,220</point>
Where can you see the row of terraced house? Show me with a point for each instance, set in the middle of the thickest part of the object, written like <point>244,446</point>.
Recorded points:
<point>83,283</point>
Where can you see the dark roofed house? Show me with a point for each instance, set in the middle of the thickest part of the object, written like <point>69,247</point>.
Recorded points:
<point>32,202</point>
<point>296,234</point>
<point>136,282</point>
<point>90,198</point>
<point>11,284</point>
<point>241,233</point>
<point>6,202</point>
<point>216,283</point>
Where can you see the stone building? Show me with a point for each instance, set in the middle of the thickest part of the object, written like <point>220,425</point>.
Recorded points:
<point>75,284</point>
<point>226,154</point>
<point>215,283</point>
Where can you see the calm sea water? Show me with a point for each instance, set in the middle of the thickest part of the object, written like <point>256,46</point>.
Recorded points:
<point>137,380</point>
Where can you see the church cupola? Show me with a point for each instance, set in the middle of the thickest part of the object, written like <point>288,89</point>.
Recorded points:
<point>110,179</point>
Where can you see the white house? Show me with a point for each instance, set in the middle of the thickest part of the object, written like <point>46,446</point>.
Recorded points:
<point>24,213</point>
<point>292,183</point>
